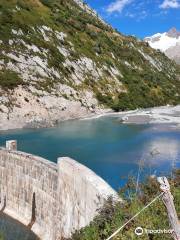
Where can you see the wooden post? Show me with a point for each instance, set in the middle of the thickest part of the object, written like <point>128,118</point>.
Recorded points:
<point>168,202</point>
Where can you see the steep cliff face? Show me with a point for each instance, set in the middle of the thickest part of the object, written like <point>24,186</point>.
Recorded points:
<point>59,60</point>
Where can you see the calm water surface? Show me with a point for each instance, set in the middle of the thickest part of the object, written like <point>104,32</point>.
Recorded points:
<point>113,150</point>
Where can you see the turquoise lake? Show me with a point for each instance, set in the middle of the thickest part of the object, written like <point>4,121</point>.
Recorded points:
<point>111,149</point>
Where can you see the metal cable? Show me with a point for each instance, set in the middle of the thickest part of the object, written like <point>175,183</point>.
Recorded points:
<point>119,229</point>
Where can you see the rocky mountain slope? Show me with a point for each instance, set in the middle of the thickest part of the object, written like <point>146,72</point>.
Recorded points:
<point>59,60</point>
<point>168,42</point>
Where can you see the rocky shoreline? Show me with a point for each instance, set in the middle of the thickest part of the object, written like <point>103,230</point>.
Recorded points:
<point>32,108</point>
<point>48,117</point>
<point>166,114</point>
<point>10,124</point>
<point>163,114</point>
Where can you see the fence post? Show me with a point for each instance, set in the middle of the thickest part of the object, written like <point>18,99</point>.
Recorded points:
<point>168,202</point>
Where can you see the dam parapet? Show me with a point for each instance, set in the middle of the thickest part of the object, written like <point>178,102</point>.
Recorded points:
<point>52,199</point>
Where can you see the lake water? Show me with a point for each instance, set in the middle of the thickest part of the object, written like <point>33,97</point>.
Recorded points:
<point>113,150</point>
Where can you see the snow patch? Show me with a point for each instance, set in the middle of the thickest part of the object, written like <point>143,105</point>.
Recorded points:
<point>162,41</point>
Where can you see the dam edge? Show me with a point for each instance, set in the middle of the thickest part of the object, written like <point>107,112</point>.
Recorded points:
<point>52,199</point>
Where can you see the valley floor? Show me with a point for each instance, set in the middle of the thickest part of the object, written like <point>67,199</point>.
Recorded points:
<point>164,114</point>
<point>167,114</point>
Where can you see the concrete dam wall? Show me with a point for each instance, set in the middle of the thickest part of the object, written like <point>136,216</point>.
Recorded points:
<point>52,199</point>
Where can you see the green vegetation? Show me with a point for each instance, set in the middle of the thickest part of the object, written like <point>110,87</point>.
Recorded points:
<point>146,89</point>
<point>111,217</point>
<point>145,83</point>
<point>9,79</point>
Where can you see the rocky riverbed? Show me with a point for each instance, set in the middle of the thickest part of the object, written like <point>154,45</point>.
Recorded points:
<point>167,114</point>
<point>164,114</point>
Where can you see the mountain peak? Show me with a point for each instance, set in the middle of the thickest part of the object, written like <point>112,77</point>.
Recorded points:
<point>168,42</point>
<point>173,32</point>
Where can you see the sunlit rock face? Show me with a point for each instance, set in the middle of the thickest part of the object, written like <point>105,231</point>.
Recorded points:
<point>60,61</point>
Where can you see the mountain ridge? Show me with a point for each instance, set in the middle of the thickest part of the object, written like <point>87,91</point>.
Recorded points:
<point>59,61</point>
<point>168,42</point>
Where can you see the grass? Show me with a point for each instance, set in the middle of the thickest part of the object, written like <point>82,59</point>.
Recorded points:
<point>111,217</point>
<point>9,79</point>
<point>145,85</point>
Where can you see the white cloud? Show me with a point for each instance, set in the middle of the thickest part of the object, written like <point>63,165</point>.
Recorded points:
<point>170,4</point>
<point>118,5</point>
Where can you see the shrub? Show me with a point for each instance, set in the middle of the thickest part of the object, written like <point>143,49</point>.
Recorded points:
<point>104,99</point>
<point>112,216</point>
<point>9,79</point>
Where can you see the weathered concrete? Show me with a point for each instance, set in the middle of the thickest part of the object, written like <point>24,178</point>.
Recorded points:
<point>52,199</point>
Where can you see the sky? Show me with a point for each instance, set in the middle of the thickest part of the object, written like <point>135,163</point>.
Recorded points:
<point>141,18</point>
